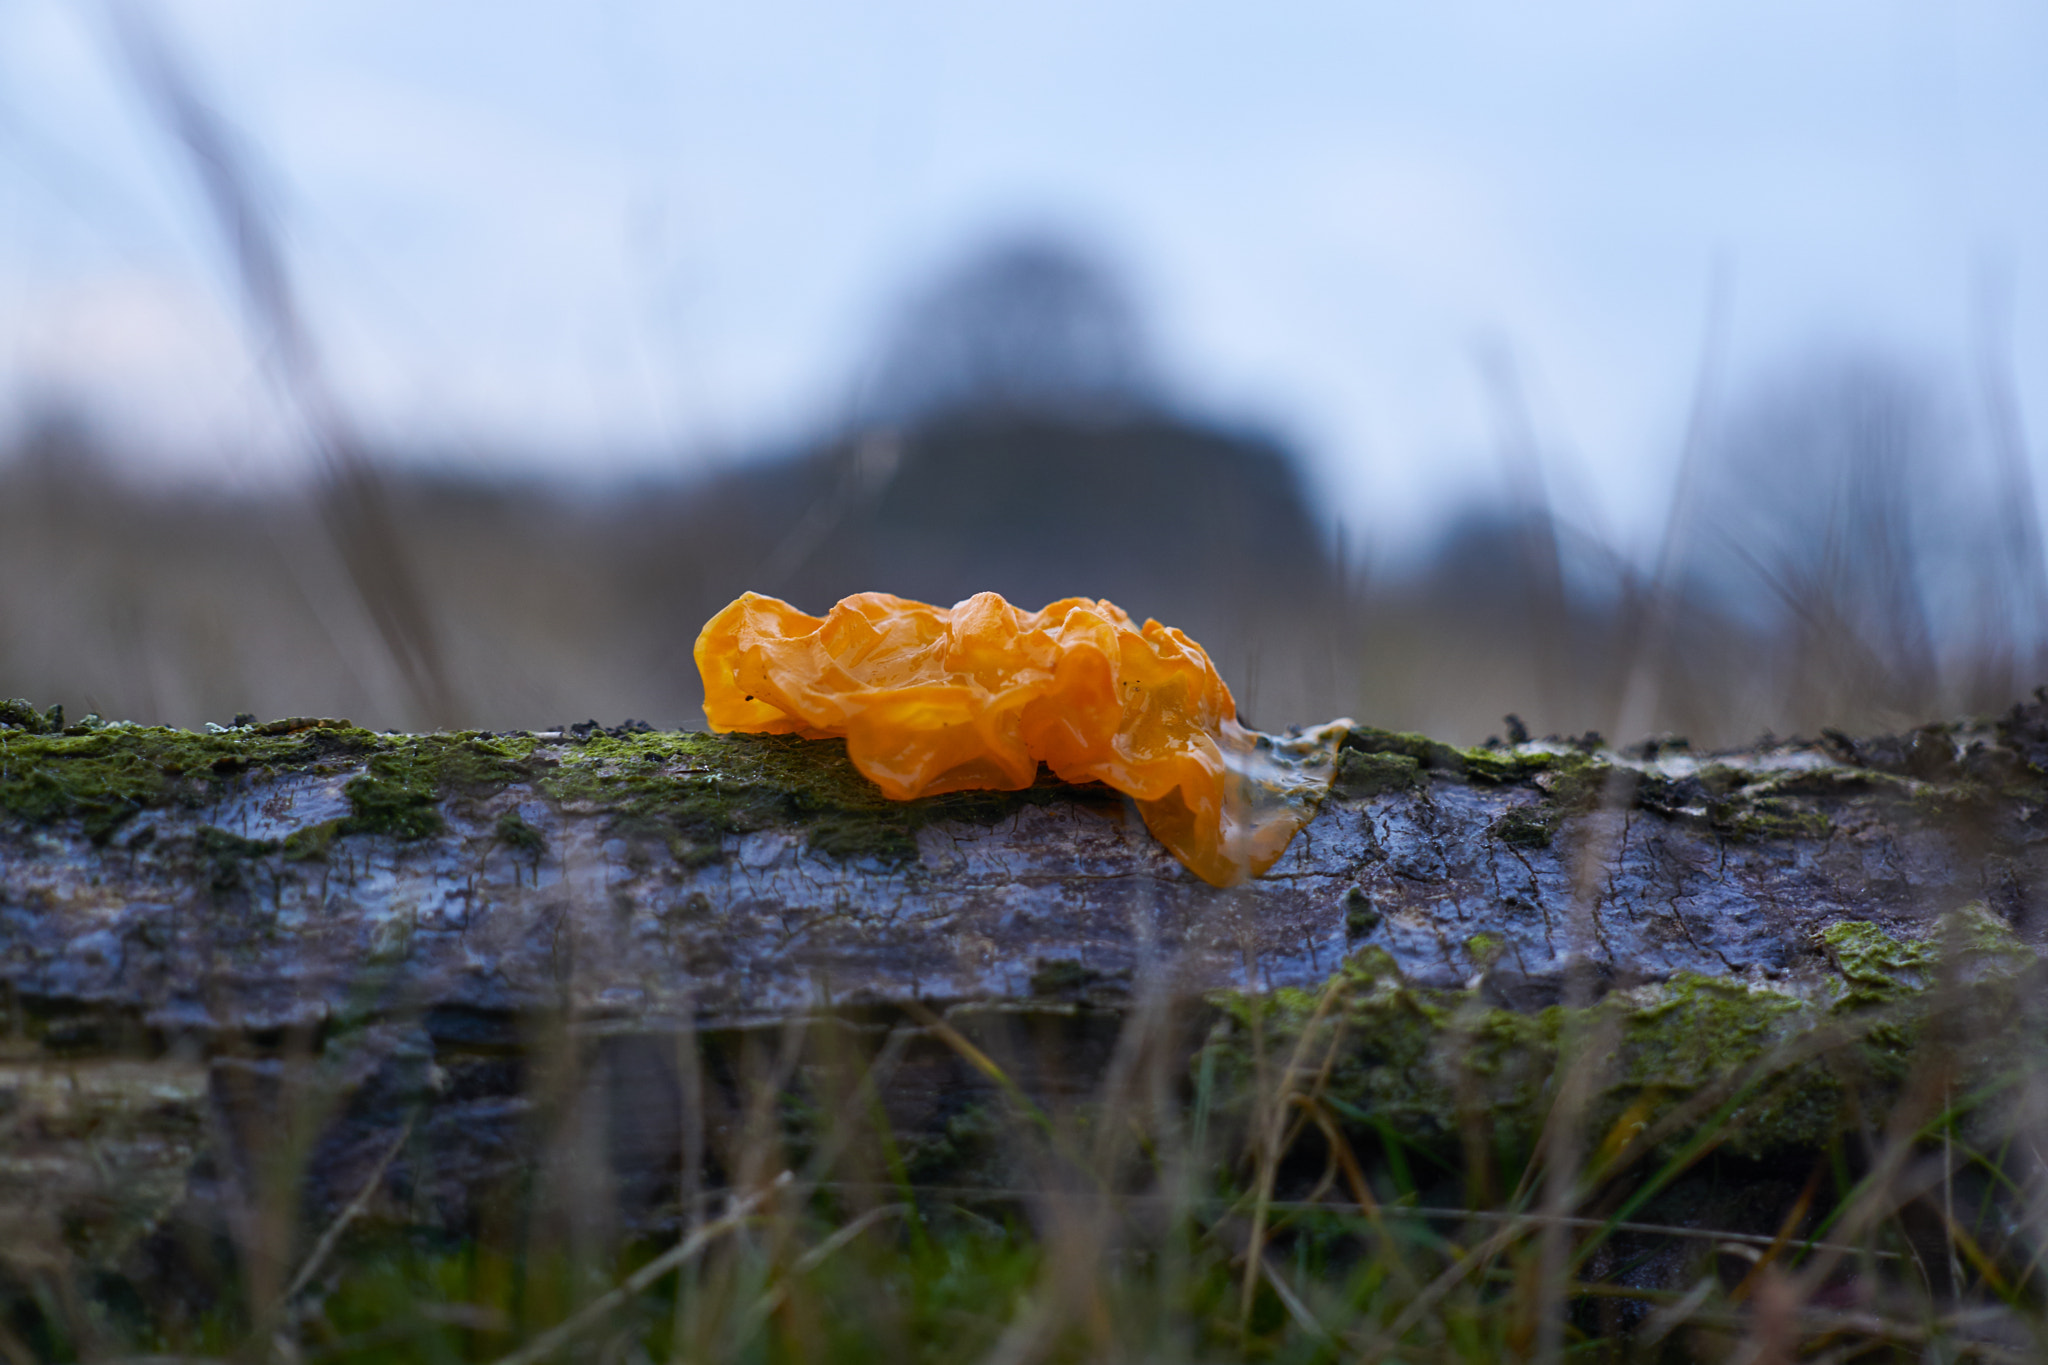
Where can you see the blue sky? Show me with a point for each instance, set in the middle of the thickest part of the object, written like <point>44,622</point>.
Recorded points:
<point>615,235</point>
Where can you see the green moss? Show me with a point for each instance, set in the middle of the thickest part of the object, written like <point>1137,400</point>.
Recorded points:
<point>400,792</point>
<point>1738,805</point>
<point>1764,818</point>
<point>1719,779</point>
<point>225,854</point>
<point>312,842</point>
<point>1572,784</point>
<point>1427,753</point>
<point>1577,782</point>
<point>1528,826</point>
<point>397,795</point>
<point>17,714</point>
<point>1751,806</point>
<point>1485,948</point>
<point>690,790</point>
<point>1970,945</point>
<point>1876,967</point>
<point>852,837</point>
<point>1362,774</point>
<point>1508,765</point>
<point>694,789</point>
<point>104,777</point>
<point>514,833</point>
<point>1361,916</point>
<point>1422,1061</point>
<point>1692,1028</point>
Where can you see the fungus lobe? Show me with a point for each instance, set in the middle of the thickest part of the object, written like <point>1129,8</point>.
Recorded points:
<point>977,695</point>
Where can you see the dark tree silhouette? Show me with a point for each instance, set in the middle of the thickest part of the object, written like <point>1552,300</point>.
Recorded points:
<point>1027,324</point>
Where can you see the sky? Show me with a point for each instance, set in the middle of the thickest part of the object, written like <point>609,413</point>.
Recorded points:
<point>616,237</point>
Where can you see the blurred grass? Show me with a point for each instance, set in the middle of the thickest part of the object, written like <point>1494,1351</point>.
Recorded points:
<point>1184,1210</point>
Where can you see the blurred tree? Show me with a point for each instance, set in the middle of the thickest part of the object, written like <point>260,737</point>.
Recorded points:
<point>1016,439</point>
<point>1028,324</point>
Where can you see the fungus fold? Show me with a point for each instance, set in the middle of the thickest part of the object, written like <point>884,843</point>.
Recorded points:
<point>977,695</point>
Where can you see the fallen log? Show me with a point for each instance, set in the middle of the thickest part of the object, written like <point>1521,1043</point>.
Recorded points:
<point>406,961</point>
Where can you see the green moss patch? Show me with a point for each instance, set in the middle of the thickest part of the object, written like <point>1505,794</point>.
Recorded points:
<point>225,854</point>
<point>106,776</point>
<point>1768,1065</point>
<point>1875,967</point>
<point>514,833</point>
<point>1363,774</point>
<point>1754,818</point>
<point>693,789</point>
<point>400,792</point>
<point>1528,826</point>
<point>689,790</point>
<point>17,714</point>
<point>1480,765</point>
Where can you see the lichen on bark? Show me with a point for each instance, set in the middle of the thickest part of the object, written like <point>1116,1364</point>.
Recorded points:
<point>1467,917</point>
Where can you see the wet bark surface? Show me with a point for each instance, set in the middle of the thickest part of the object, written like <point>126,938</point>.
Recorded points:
<point>191,921</point>
<point>195,986</point>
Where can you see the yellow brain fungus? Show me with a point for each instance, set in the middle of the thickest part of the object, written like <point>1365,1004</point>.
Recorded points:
<point>941,699</point>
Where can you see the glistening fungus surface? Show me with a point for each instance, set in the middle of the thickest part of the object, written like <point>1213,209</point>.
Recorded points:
<point>980,695</point>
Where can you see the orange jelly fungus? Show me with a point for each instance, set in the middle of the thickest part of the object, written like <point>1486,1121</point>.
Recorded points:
<point>941,699</point>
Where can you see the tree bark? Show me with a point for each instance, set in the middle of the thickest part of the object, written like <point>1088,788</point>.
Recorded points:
<point>376,954</point>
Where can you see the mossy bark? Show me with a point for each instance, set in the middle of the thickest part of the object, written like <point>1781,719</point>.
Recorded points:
<point>305,940</point>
